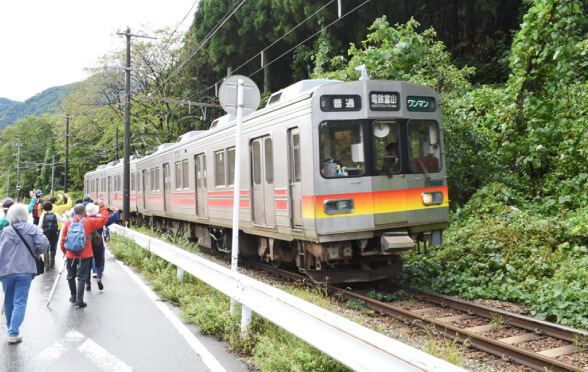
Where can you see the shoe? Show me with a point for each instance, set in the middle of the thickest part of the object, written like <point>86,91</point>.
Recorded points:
<point>14,339</point>
<point>94,275</point>
<point>100,285</point>
<point>81,304</point>
<point>72,298</point>
<point>88,287</point>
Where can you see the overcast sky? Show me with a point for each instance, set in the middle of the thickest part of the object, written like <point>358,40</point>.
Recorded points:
<point>47,43</point>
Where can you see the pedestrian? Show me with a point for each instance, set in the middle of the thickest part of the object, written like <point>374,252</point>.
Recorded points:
<point>49,225</point>
<point>36,205</point>
<point>78,264</point>
<point>17,267</point>
<point>6,203</point>
<point>97,242</point>
<point>61,209</point>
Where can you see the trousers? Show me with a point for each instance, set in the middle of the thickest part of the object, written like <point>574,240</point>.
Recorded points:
<point>16,294</point>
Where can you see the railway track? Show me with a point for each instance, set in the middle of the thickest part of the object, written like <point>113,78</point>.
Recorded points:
<point>498,332</point>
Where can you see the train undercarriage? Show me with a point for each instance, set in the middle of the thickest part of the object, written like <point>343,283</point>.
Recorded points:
<point>333,262</point>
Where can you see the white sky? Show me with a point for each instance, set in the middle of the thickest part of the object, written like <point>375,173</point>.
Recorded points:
<point>47,43</point>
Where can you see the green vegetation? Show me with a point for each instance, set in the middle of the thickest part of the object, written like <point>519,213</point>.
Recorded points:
<point>267,346</point>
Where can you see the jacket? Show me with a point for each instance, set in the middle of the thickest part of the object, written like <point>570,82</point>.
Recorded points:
<point>60,209</point>
<point>90,225</point>
<point>112,219</point>
<point>15,258</point>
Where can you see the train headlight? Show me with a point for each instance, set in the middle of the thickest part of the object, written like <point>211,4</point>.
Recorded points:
<point>338,206</point>
<point>432,197</point>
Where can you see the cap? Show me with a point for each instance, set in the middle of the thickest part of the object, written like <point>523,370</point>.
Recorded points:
<point>38,193</point>
<point>87,197</point>
<point>7,202</point>
<point>92,208</point>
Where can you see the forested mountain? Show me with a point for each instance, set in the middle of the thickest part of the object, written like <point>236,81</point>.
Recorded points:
<point>48,101</point>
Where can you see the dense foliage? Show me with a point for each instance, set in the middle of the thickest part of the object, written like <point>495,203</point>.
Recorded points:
<point>46,102</point>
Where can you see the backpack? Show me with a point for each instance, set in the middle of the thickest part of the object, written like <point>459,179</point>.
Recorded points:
<point>50,224</point>
<point>76,239</point>
<point>37,209</point>
<point>96,239</point>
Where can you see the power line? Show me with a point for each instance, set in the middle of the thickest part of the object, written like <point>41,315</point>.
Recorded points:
<point>275,59</point>
<point>223,20</point>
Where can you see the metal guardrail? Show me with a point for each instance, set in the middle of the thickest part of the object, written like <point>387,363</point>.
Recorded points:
<point>355,346</point>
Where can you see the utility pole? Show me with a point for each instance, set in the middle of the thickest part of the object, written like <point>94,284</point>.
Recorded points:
<point>127,152</point>
<point>18,145</point>
<point>116,144</point>
<point>66,153</point>
<point>52,175</point>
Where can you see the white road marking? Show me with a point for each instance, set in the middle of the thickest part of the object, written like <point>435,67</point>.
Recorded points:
<point>195,344</point>
<point>62,346</point>
<point>102,358</point>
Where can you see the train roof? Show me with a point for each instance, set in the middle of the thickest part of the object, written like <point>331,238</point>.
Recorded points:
<point>191,134</point>
<point>297,89</point>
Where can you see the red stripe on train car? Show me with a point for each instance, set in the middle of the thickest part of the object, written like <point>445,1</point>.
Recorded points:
<point>227,203</point>
<point>183,201</point>
<point>282,205</point>
<point>281,192</point>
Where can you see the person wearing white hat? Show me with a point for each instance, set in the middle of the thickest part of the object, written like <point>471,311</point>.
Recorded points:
<point>98,244</point>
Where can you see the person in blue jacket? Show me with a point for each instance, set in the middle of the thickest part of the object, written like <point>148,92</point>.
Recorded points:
<point>98,244</point>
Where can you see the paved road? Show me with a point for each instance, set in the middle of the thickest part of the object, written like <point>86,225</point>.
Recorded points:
<point>122,329</point>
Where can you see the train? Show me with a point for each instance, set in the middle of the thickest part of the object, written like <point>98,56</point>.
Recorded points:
<point>339,179</point>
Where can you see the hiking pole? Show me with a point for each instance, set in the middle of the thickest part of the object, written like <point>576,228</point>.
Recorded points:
<point>57,280</point>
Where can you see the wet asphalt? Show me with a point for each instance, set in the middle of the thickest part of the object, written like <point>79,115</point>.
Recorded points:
<point>121,329</point>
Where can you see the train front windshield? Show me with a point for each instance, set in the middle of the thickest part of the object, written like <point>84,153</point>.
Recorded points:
<point>396,146</point>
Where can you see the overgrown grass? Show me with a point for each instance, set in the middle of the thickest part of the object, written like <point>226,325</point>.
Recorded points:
<point>268,347</point>
<point>501,247</point>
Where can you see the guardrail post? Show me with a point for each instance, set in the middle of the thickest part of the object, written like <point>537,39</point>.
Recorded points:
<point>180,274</point>
<point>245,321</point>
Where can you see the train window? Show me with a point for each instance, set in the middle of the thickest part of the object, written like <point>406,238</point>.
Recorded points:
<point>185,174</point>
<point>156,178</point>
<point>424,152</point>
<point>387,147</point>
<point>341,149</point>
<point>133,182</point>
<point>204,176</point>
<point>295,143</point>
<point>269,161</point>
<point>151,179</point>
<point>256,162</point>
<point>219,163</point>
<point>231,165</point>
<point>178,169</point>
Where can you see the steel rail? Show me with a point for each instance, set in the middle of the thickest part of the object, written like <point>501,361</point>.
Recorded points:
<point>498,348</point>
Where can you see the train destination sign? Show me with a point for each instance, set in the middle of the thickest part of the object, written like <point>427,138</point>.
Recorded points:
<point>384,101</point>
<point>340,103</point>
<point>416,103</point>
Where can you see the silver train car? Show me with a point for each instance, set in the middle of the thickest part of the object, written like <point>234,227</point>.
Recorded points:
<point>338,179</point>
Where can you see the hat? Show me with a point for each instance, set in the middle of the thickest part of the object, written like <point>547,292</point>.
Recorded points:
<point>7,202</point>
<point>92,208</point>
<point>87,198</point>
<point>38,193</point>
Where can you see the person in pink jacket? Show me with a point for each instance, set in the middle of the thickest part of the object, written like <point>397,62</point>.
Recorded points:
<point>78,265</point>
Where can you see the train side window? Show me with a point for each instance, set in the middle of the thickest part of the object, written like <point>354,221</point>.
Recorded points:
<point>341,149</point>
<point>231,165</point>
<point>178,178</point>
<point>425,151</point>
<point>296,157</point>
<point>219,164</point>
<point>256,162</point>
<point>185,174</point>
<point>157,179</point>
<point>269,161</point>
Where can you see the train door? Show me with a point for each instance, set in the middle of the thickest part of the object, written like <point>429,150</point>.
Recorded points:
<point>262,180</point>
<point>144,188</point>
<point>294,174</point>
<point>201,185</point>
<point>109,185</point>
<point>166,189</point>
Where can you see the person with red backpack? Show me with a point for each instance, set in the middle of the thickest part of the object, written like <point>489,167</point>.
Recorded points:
<point>78,249</point>
<point>36,205</point>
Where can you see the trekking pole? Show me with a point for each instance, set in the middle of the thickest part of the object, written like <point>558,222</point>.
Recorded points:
<point>57,280</point>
